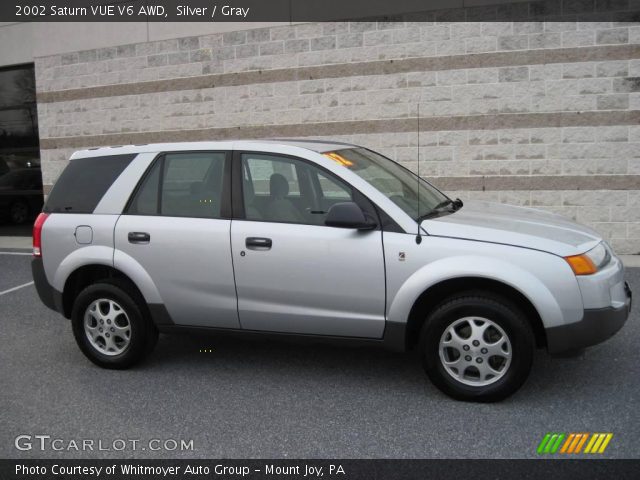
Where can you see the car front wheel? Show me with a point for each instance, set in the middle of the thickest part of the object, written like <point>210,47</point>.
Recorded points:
<point>477,346</point>
<point>111,327</point>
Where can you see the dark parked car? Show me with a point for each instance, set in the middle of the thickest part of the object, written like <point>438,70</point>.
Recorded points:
<point>21,195</point>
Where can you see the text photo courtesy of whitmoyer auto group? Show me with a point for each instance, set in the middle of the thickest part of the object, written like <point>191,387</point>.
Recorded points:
<point>275,239</point>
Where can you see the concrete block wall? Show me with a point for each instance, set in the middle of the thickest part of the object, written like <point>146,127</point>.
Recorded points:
<point>535,113</point>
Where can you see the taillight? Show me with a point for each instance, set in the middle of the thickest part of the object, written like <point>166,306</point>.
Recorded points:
<point>37,234</point>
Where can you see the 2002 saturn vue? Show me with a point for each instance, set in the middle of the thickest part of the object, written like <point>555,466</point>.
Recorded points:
<point>319,240</point>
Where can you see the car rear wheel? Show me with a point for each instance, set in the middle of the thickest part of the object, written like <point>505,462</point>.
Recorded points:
<point>112,327</point>
<point>19,212</point>
<point>477,346</point>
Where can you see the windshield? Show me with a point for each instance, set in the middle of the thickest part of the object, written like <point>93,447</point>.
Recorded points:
<point>397,183</point>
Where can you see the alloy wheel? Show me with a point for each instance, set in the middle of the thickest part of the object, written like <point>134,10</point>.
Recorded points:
<point>107,327</point>
<point>475,351</point>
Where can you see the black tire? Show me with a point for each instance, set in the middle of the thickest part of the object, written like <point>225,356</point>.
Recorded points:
<point>143,333</point>
<point>489,306</point>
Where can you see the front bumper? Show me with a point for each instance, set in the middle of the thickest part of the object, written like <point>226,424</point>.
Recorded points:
<point>596,326</point>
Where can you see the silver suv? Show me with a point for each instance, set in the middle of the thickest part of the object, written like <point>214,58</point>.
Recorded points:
<point>322,240</point>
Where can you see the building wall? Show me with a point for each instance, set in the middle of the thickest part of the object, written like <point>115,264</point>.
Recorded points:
<point>543,114</point>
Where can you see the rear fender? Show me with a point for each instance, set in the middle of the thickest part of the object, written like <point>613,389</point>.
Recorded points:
<point>136,272</point>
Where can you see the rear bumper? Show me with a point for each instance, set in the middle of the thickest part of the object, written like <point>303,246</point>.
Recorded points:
<point>596,326</point>
<point>49,295</point>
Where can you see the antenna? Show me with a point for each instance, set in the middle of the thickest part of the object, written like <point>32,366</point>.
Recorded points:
<point>418,236</point>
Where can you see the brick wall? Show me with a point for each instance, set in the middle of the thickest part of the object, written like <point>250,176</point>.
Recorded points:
<point>539,113</point>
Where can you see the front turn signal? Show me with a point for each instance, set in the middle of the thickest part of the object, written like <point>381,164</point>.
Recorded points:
<point>581,264</point>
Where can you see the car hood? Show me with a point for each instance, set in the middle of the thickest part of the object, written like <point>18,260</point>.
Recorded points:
<point>520,226</point>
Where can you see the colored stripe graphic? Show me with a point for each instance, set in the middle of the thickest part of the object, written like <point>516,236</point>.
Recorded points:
<point>556,445</point>
<point>581,443</point>
<point>577,438</point>
<point>550,443</point>
<point>543,443</point>
<point>598,443</point>
<point>552,440</point>
<point>592,441</point>
<point>565,447</point>
<point>604,445</point>
<point>573,443</point>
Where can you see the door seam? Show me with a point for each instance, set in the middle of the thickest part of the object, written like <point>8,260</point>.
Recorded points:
<point>233,269</point>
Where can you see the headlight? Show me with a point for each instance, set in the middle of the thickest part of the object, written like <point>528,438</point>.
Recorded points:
<point>591,261</point>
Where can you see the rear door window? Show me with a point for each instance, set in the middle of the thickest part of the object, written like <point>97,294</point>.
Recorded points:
<point>188,184</point>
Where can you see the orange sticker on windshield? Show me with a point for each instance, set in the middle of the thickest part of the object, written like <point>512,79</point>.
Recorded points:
<point>338,159</point>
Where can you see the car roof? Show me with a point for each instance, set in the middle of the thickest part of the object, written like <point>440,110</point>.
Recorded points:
<point>316,145</point>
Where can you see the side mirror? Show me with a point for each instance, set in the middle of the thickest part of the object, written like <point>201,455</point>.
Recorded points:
<point>348,215</point>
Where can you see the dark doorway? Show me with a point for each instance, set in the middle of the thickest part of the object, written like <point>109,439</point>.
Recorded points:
<point>20,176</point>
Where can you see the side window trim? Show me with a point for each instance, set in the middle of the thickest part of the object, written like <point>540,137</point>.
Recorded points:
<point>237,188</point>
<point>315,185</point>
<point>226,201</point>
<point>305,181</point>
<point>161,166</point>
<point>141,182</point>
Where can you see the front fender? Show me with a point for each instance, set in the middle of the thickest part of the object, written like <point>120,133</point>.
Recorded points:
<point>449,268</point>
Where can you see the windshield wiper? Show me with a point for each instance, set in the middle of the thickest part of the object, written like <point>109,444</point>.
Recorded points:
<point>446,206</point>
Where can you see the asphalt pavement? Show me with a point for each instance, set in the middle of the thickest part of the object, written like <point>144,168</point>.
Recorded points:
<point>266,399</point>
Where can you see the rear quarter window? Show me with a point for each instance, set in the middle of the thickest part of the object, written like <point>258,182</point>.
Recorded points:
<point>84,182</point>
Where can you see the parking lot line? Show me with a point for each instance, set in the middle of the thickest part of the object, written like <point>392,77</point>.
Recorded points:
<point>16,253</point>
<point>16,288</point>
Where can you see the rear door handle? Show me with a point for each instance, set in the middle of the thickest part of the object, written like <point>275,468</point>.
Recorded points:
<point>258,243</point>
<point>139,237</point>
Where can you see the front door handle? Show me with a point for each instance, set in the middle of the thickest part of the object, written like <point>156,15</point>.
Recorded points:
<point>258,243</point>
<point>139,237</point>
